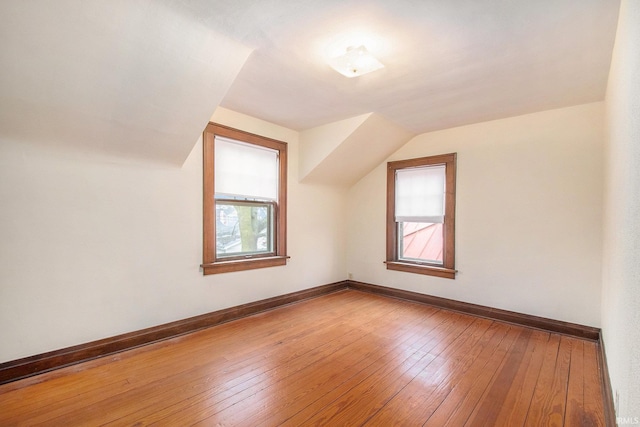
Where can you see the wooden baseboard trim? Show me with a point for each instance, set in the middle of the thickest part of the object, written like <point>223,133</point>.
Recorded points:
<point>551,325</point>
<point>605,380</point>
<point>45,362</point>
<point>543,323</point>
<point>29,366</point>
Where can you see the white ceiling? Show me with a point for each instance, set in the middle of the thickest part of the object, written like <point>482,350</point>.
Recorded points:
<point>140,78</point>
<point>448,62</point>
<point>129,78</point>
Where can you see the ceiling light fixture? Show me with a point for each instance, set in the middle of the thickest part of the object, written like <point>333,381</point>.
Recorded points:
<point>355,62</point>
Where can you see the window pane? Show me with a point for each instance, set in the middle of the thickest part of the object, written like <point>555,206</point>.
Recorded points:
<point>421,241</point>
<point>245,170</point>
<point>420,194</point>
<point>244,228</point>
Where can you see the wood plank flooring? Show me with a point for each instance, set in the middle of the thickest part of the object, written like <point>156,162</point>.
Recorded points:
<point>345,359</point>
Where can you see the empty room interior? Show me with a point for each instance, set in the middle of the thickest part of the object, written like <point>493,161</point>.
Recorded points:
<point>320,212</point>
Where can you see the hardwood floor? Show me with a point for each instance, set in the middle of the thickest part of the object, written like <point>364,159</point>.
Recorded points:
<point>348,358</point>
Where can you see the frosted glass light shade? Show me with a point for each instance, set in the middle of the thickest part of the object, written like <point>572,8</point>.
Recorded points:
<point>355,62</point>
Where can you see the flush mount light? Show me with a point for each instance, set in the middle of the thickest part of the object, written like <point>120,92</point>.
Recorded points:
<point>355,62</point>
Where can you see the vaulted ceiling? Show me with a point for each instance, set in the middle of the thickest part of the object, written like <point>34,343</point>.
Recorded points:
<point>141,78</point>
<point>447,63</point>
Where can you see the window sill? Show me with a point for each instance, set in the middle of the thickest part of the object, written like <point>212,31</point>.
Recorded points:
<point>243,264</point>
<point>428,270</point>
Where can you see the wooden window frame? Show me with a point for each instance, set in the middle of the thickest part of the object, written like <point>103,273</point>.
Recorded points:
<point>447,269</point>
<point>274,214</point>
<point>211,264</point>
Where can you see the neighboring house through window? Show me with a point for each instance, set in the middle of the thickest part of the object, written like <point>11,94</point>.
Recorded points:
<point>245,196</point>
<point>421,215</point>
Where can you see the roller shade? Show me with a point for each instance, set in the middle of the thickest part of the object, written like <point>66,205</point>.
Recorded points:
<point>245,171</point>
<point>420,194</point>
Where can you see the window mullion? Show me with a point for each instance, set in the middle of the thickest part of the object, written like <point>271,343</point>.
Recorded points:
<point>421,215</point>
<point>243,222</point>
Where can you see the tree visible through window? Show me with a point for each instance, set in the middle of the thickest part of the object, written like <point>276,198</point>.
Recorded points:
<point>244,200</point>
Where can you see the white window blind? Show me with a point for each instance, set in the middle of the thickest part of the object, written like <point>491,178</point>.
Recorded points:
<point>420,194</point>
<point>245,171</point>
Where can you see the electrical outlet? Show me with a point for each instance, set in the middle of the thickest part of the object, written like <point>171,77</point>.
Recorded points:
<point>350,276</point>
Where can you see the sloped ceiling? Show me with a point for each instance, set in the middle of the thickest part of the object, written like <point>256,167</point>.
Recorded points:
<point>447,63</point>
<point>316,144</point>
<point>341,153</point>
<point>138,79</point>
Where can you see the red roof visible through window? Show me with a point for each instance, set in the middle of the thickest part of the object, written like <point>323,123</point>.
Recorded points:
<point>422,241</point>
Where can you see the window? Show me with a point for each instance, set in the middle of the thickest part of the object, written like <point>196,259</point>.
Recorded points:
<point>245,193</point>
<point>421,197</point>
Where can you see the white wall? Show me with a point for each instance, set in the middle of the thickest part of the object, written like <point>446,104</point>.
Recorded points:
<point>621,265</point>
<point>92,247</point>
<point>528,216</point>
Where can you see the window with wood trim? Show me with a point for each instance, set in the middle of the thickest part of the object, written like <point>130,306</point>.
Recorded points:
<point>245,196</point>
<point>421,201</point>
